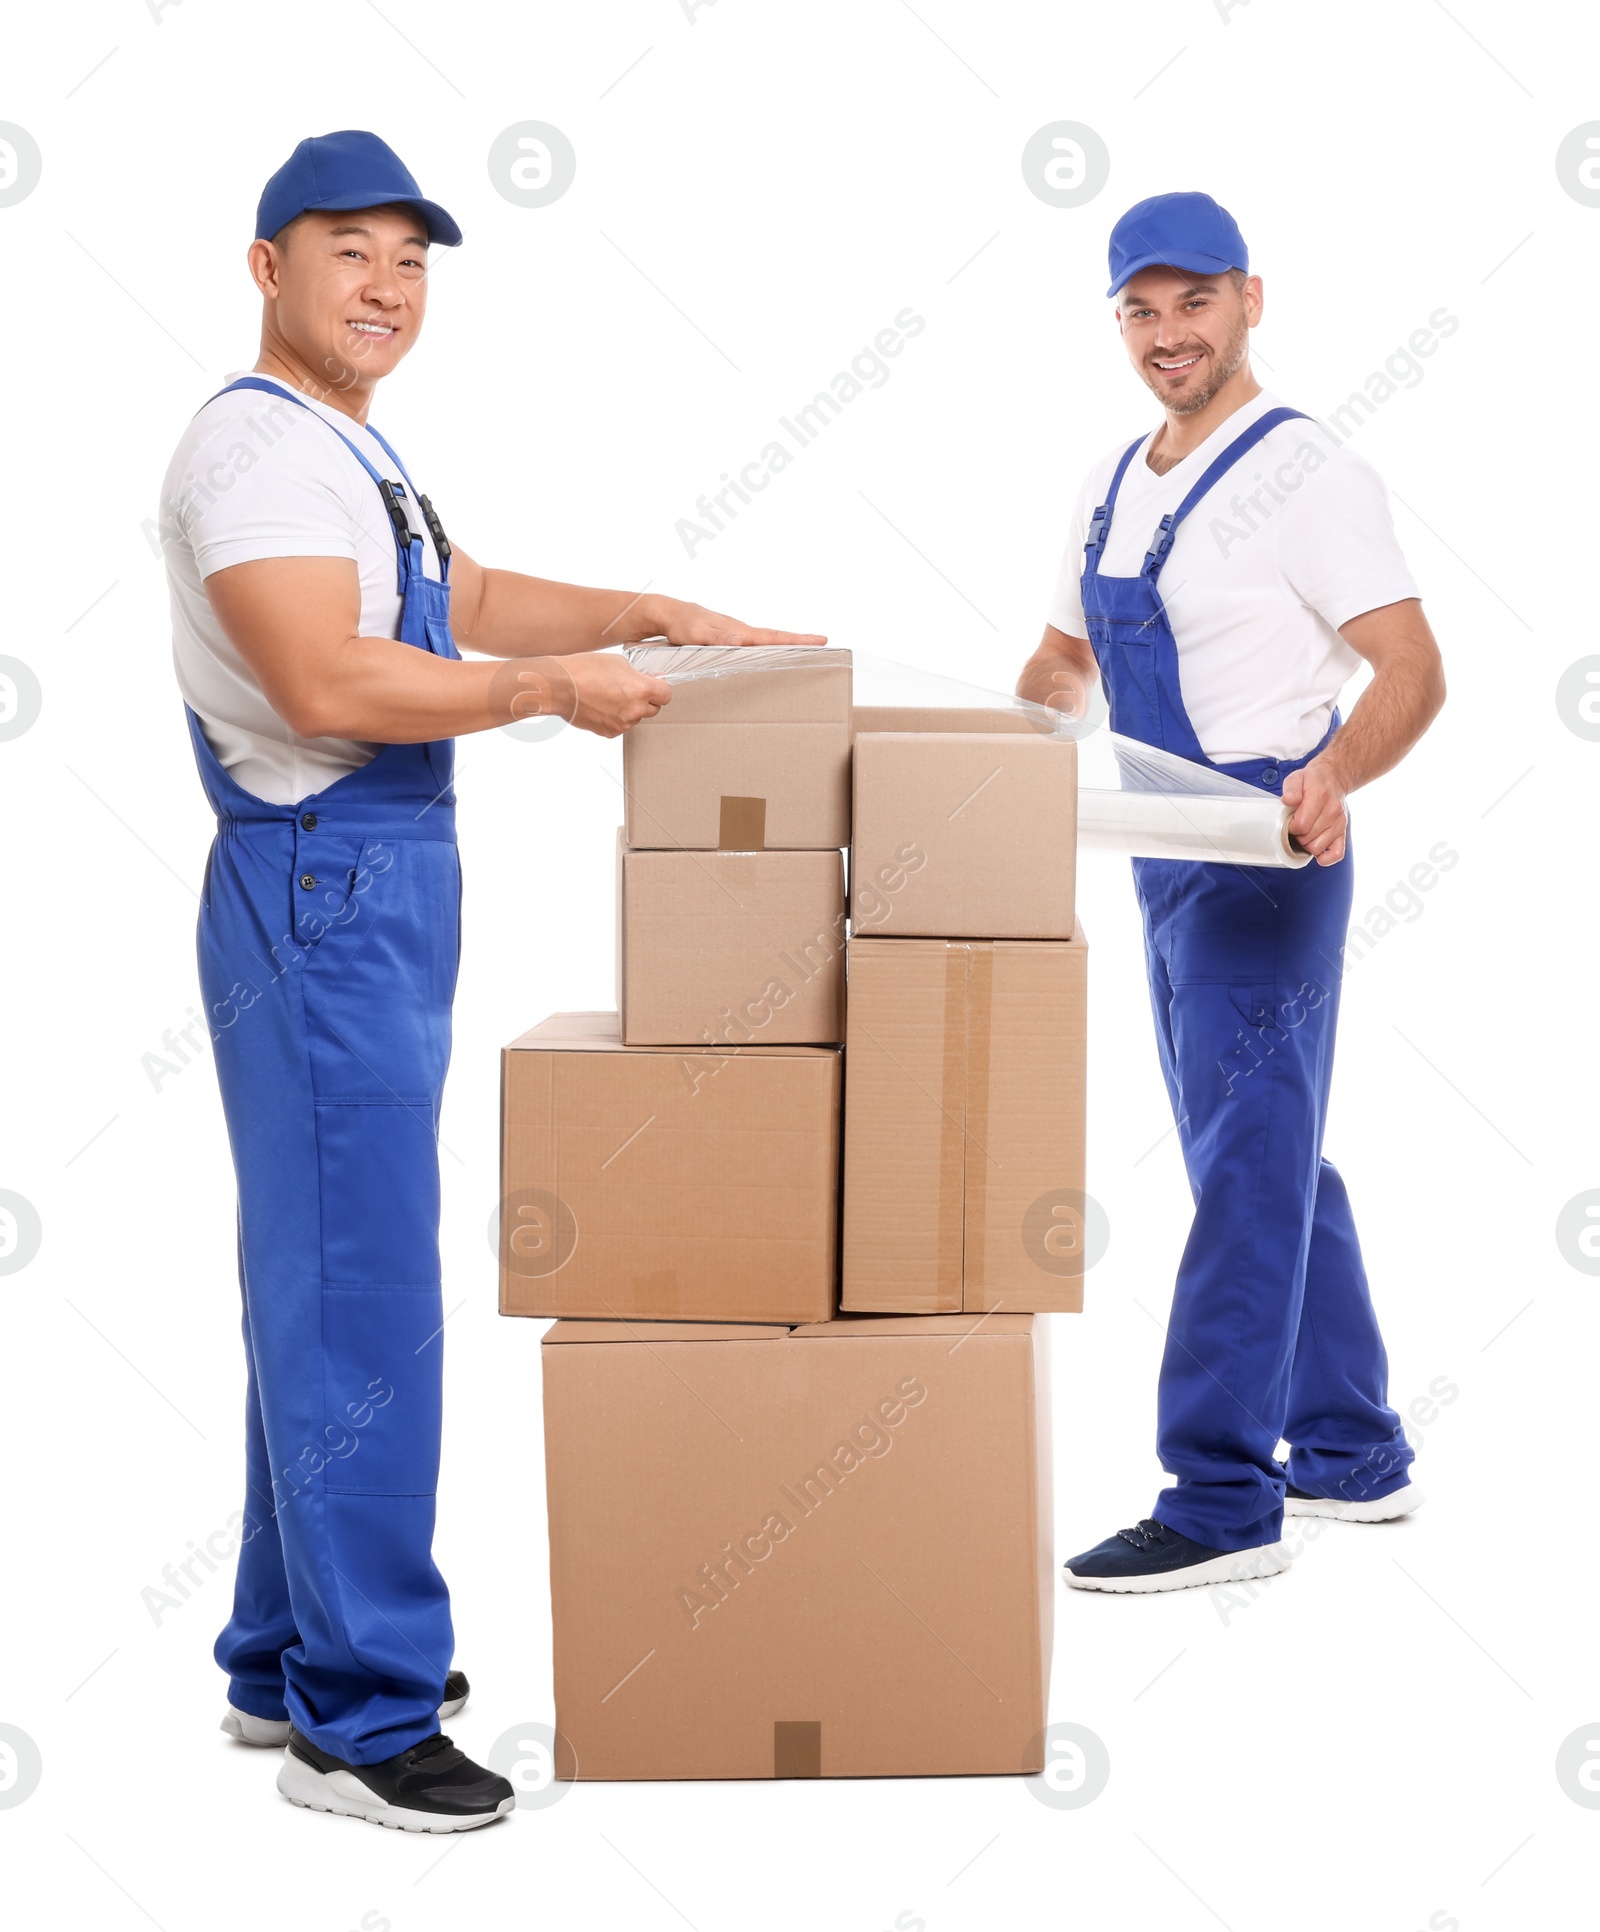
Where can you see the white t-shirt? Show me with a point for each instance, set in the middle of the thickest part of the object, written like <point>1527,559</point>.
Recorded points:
<point>258,476</point>
<point>1295,540</point>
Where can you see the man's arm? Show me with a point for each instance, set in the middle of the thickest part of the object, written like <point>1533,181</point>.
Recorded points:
<point>1060,673</point>
<point>1389,717</point>
<point>505,614</point>
<point>296,622</point>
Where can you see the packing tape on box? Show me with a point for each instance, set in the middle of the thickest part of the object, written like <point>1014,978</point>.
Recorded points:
<point>953,1097</point>
<point>980,1009</point>
<point>1154,806</point>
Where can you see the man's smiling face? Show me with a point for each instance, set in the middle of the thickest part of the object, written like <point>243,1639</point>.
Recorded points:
<point>351,290</point>
<point>1186,334</point>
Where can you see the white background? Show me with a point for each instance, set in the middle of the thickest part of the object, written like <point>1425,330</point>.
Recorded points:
<point>1371,1740</point>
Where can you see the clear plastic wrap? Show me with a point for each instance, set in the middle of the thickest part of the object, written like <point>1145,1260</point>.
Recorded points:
<point>1133,800</point>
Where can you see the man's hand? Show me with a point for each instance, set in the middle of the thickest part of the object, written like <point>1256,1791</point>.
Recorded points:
<point>693,624</point>
<point>1317,818</point>
<point>609,697</point>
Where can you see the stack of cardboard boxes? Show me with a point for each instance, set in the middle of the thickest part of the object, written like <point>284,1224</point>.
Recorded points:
<point>786,1540</point>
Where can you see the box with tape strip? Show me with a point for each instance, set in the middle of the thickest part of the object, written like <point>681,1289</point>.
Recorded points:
<point>964,1126</point>
<point>730,948</point>
<point>752,753</point>
<point>667,1182</point>
<point>822,1552</point>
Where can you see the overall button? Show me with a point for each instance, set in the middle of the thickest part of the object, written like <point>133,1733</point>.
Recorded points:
<point>307,883</point>
<point>1270,775</point>
<point>309,822</point>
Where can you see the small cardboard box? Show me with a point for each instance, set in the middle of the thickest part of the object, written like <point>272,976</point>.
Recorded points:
<point>730,948</point>
<point>964,835</point>
<point>678,1184</point>
<point>823,1553</point>
<point>964,1125</point>
<point>754,758</point>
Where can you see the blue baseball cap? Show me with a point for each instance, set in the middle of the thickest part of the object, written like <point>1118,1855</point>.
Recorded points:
<point>1188,231</point>
<point>352,169</point>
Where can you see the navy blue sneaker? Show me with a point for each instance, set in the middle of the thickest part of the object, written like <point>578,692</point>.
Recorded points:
<point>1381,1509</point>
<point>1152,1557</point>
<point>432,1787</point>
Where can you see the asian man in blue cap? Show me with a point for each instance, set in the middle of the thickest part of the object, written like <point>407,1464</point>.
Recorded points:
<point>318,607</point>
<point>1225,575</point>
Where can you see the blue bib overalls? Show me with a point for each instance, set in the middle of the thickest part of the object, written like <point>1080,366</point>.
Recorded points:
<point>1272,1334</point>
<point>329,942</point>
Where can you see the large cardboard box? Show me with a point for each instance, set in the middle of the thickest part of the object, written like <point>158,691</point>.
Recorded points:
<point>964,1125</point>
<point>663,1182</point>
<point>730,948</point>
<point>755,758</point>
<point>823,1553</point>
<point>964,835</point>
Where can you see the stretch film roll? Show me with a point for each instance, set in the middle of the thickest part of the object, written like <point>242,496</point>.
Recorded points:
<point>1247,830</point>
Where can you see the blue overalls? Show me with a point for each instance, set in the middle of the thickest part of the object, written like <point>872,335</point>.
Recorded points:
<point>1272,1333</point>
<point>329,942</point>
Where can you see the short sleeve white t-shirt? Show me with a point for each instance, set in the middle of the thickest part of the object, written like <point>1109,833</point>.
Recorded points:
<point>254,476</point>
<point>1295,540</point>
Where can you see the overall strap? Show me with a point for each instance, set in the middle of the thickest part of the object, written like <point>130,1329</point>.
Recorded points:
<point>1241,445</point>
<point>1100,522</point>
<point>441,542</point>
<point>408,540</point>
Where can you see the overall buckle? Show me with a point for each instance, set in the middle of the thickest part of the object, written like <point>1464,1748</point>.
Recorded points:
<point>1097,528</point>
<point>1160,544</point>
<point>394,501</point>
<point>441,542</point>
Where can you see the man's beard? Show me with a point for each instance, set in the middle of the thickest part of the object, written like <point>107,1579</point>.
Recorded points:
<point>1228,365</point>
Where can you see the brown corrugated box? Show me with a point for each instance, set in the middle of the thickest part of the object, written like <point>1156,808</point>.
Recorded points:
<point>666,1182</point>
<point>964,835</point>
<point>964,1125</point>
<point>731,948</point>
<point>824,1553</point>
<point>753,759</point>
<point>940,717</point>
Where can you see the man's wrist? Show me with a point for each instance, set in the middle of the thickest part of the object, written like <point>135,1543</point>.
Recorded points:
<point>1327,766</point>
<point>652,616</point>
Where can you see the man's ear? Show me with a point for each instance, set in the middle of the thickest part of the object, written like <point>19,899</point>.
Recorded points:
<point>264,259</point>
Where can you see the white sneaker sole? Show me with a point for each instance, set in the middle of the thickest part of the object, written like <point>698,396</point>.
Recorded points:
<point>273,1732</point>
<point>256,1730</point>
<point>344,1795</point>
<point>1385,1509</point>
<point>1232,1566</point>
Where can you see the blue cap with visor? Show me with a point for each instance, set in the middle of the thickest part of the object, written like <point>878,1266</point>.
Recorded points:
<point>351,169</point>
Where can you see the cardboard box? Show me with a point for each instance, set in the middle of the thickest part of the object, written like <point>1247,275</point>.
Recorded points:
<point>755,759</point>
<point>663,1182</point>
<point>823,1553</point>
<point>964,835</point>
<point>964,1125</point>
<point>939,717</point>
<point>730,948</point>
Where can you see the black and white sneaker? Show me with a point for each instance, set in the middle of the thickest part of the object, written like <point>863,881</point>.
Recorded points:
<point>274,1731</point>
<point>1381,1509</point>
<point>1152,1557</point>
<point>431,1787</point>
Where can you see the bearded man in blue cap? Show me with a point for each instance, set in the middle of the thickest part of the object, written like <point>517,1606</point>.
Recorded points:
<point>1225,575</point>
<point>317,611</point>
